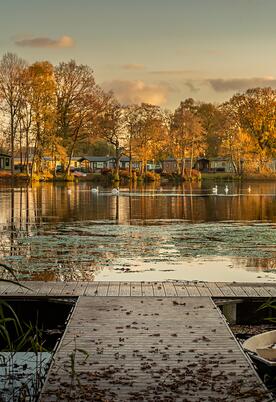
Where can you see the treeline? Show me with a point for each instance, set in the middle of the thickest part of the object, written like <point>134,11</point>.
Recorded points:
<point>59,111</point>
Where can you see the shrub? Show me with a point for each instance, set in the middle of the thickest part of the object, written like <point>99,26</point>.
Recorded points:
<point>151,176</point>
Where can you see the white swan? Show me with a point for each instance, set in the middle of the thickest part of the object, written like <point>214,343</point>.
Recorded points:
<point>95,190</point>
<point>226,189</point>
<point>115,191</point>
<point>249,189</point>
<point>215,189</point>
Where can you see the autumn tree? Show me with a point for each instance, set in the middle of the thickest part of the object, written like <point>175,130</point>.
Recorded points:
<point>42,101</point>
<point>255,112</point>
<point>148,133</point>
<point>213,124</point>
<point>79,102</point>
<point>112,127</point>
<point>186,136</point>
<point>11,82</point>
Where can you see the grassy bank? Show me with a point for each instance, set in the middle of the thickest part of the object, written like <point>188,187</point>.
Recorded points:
<point>220,176</point>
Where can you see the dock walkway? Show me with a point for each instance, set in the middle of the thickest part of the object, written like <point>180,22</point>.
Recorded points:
<point>148,341</point>
<point>150,349</point>
<point>176,288</point>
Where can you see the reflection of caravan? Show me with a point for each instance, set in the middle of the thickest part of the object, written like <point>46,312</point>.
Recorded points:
<point>5,162</point>
<point>213,165</point>
<point>153,167</point>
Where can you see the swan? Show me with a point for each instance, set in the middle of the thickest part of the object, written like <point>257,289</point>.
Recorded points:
<point>226,189</point>
<point>249,189</point>
<point>115,191</point>
<point>215,189</point>
<point>95,190</point>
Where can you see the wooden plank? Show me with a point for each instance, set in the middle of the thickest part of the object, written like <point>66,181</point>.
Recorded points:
<point>227,291</point>
<point>169,289</point>
<point>238,291</point>
<point>272,291</point>
<point>181,289</point>
<point>251,292</point>
<point>124,289</point>
<point>114,288</point>
<point>135,289</point>
<point>158,289</point>
<point>192,291</point>
<point>103,289</point>
<point>137,350</point>
<point>57,289</point>
<point>262,292</point>
<point>147,289</point>
<point>91,289</point>
<point>68,290</point>
<point>80,289</point>
<point>203,290</point>
<point>214,289</point>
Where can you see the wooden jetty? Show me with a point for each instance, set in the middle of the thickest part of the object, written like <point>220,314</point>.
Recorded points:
<point>176,288</point>
<point>148,341</point>
<point>150,349</point>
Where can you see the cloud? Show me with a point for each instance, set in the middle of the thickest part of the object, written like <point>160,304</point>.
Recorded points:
<point>174,73</point>
<point>128,92</point>
<point>133,66</point>
<point>192,87</point>
<point>62,42</point>
<point>240,84</point>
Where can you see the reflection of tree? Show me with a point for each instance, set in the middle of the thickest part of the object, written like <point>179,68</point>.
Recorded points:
<point>256,263</point>
<point>48,233</point>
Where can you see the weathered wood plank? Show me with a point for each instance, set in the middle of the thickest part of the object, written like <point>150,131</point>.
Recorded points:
<point>114,289</point>
<point>214,289</point>
<point>91,289</point>
<point>169,289</point>
<point>262,291</point>
<point>272,291</point>
<point>124,289</point>
<point>102,289</point>
<point>158,289</point>
<point>181,289</point>
<point>135,289</point>
<point>238,291</point>
<point>147,289</point>
<point>251,292</point>
<point>204,291</point>
<point>192,291</point>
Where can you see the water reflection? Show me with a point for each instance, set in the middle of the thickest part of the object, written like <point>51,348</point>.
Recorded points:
<point>59,232</point>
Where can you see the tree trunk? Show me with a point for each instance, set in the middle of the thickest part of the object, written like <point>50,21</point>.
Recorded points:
<point>12,141</point>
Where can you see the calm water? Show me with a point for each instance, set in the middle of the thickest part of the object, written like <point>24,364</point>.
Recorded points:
<point>59,232</point>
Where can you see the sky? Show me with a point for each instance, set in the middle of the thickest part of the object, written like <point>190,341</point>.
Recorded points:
<point>153,51</point>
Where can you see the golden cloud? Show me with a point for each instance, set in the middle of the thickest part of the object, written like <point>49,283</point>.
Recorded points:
<point>62,42</point>
<point>133,66</point>
<point>240,84</point>
<point>128,92</point>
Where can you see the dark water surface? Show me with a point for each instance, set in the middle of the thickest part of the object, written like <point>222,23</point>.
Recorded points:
<point>67,232</point>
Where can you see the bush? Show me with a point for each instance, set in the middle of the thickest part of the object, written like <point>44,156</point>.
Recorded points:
<point>151,176</point>
<point>106,171</point>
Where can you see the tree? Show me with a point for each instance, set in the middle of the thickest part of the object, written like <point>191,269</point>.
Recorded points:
<point>255,112</point>
<point>213,124</point>
<point>11,93</point>
<point>148,133</point>
<point>42,101</point>
<point>186,136</point>
<point>79,102</point>
<point>112,127</point>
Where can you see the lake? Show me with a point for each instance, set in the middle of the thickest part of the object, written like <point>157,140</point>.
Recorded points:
<point>149,233</point>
